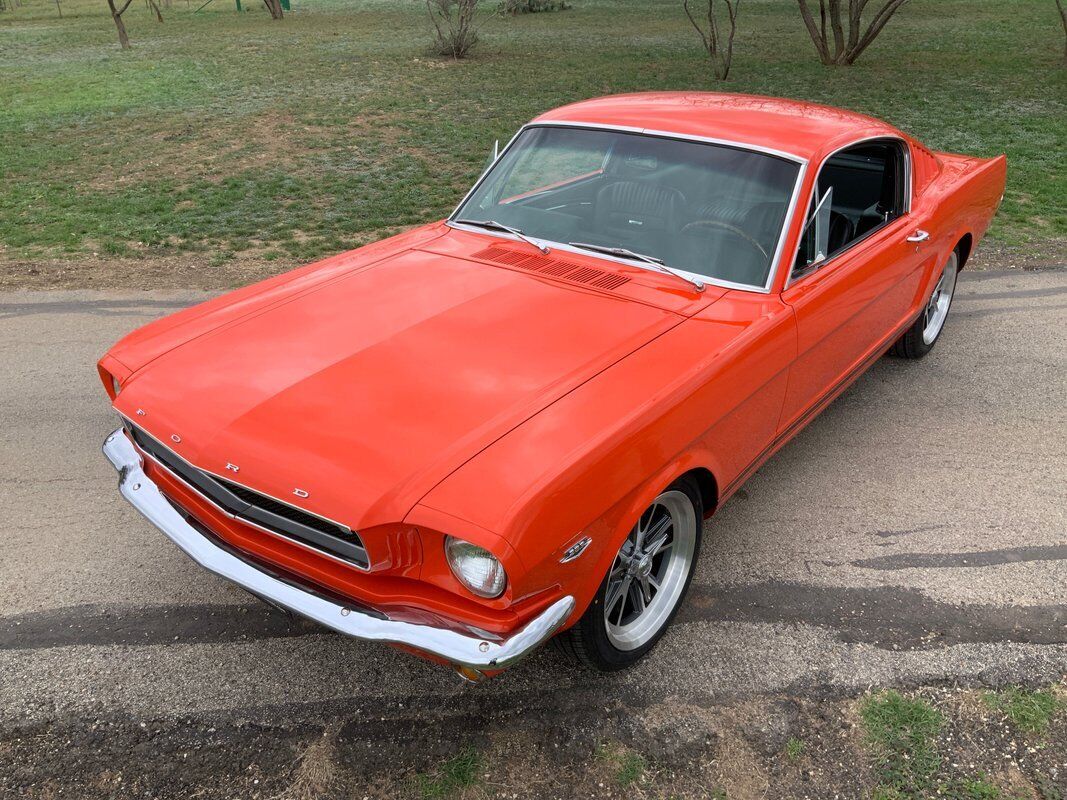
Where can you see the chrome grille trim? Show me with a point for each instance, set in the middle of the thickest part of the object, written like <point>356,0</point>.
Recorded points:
<point>256,509</point>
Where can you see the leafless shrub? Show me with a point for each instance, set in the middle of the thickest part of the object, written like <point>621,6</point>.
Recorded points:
<point>717,35</point>
<point>513,7</point>
<point>847,38</point>
<point>456,24</point>
<point>120,26</point>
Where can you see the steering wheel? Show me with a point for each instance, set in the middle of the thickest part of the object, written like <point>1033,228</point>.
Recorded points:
<point>716,223</point>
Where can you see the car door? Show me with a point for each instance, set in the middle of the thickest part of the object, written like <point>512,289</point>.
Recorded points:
<point>854,294</point>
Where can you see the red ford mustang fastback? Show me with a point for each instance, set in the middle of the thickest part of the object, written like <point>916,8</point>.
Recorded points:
<point>511,424</point>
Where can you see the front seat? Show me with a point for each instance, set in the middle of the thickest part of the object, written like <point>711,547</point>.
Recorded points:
<point>625,209</point>
<point>842,231</point>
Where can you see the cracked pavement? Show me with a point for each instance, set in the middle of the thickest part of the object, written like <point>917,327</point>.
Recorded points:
<point>914,534</point>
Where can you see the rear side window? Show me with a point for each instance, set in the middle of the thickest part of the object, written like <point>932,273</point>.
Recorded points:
<point>863,188</point>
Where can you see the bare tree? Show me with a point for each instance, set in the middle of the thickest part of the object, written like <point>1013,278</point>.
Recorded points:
<point>274,7</point>
<point>720,52</point>
<point>1063,19</point>
<point>837,47</point>
<point>456,24</point>
<point>155,8</point>
<point>116,14</point>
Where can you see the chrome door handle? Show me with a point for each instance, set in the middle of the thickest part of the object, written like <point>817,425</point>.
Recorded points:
<point>919,236</point>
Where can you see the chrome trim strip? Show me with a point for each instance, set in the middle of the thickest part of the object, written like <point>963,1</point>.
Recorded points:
<point>478,654</point>
<point>245,520</point>
<point>791,279</point>
<point>252,523</point>
<point>723,284</point>
<point>687,137</point>
<point>231,480</point>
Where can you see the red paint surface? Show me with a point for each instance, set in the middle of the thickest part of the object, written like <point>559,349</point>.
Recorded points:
<point>414,389</point>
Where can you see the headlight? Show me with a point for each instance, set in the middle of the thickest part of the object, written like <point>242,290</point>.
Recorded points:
<point>475,567</point>
<point>115,385</point>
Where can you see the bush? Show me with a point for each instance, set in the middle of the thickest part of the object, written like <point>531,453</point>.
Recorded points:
<point>455,22</point>
<point>513,7</point>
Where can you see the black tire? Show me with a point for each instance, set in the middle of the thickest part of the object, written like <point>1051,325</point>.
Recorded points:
<point>588,643</point>
<point>914,344</point>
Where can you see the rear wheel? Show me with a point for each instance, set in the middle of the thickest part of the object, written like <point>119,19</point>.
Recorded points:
<point>645,585</point>
<point>924,333</point>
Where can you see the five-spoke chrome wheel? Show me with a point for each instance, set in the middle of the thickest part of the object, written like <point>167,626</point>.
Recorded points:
<point>650,571</point>
<point>937,308</point>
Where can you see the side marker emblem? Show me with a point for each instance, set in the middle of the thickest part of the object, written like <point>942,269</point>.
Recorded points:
<point>175,438</point>
<point>300,493</point>
<point>575,550</point>
<point>232,467</point>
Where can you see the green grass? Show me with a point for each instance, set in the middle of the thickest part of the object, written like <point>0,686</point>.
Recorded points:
<point>1029,710</point>
<point>794,748</point>
<point>631,767</point>
<point>902,733</point>
<point>452,776</point>
<point>226,132</point>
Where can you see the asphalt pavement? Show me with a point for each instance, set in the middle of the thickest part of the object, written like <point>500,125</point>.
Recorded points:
<point>914,534</point>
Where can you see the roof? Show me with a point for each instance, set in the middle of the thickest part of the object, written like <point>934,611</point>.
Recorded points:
<point>798,128</point>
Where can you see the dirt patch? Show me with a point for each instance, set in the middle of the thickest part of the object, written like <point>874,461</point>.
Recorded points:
<point>992,254</point>
<point>186,271</point>
<point>529,747</point>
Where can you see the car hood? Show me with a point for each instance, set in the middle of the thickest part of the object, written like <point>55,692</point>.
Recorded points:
<point>366,391</point>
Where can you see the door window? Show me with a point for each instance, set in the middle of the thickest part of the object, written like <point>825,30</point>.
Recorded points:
<point>859,190</point>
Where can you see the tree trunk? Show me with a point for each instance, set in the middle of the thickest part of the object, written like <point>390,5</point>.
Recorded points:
<point>155,7</point>
<point>274,7</point>
<point>1063,19</point>
<point>846,49</point>
<point>59,8</point>
<point>720,53</point>
<point>116,15</point>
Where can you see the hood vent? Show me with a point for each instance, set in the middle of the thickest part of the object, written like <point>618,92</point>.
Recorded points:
<point>552,267</point>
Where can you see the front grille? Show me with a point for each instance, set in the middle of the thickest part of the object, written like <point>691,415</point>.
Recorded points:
<point>259,509</point>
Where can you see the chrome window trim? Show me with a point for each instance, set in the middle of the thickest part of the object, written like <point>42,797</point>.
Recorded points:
<point>243,520</point>
<point>791,279</point>
<point>787,223</point>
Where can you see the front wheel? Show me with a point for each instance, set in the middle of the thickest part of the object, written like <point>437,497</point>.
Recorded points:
<point>645,584</point>
<point>923,334</point>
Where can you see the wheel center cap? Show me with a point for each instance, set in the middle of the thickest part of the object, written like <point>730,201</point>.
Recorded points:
<point>644,567</point>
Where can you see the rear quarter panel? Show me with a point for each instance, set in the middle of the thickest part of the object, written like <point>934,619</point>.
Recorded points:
<point>959,199</point>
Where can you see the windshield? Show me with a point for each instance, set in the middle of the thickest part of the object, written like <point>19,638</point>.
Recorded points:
<point>711,210</point>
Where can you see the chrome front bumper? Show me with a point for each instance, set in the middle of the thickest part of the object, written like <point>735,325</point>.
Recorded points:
<point>471,655</point>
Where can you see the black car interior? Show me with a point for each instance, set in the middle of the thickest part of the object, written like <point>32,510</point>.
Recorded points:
<point>868,184</point>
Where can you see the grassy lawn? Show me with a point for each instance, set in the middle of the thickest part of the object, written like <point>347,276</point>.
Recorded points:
<point>226,135</point>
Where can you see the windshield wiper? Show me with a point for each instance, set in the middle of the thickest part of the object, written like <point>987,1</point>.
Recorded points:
<point>499,226</point>
<point>625,253</point>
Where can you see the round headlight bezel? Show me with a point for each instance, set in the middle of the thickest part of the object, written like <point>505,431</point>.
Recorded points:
<point>466,559</point>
